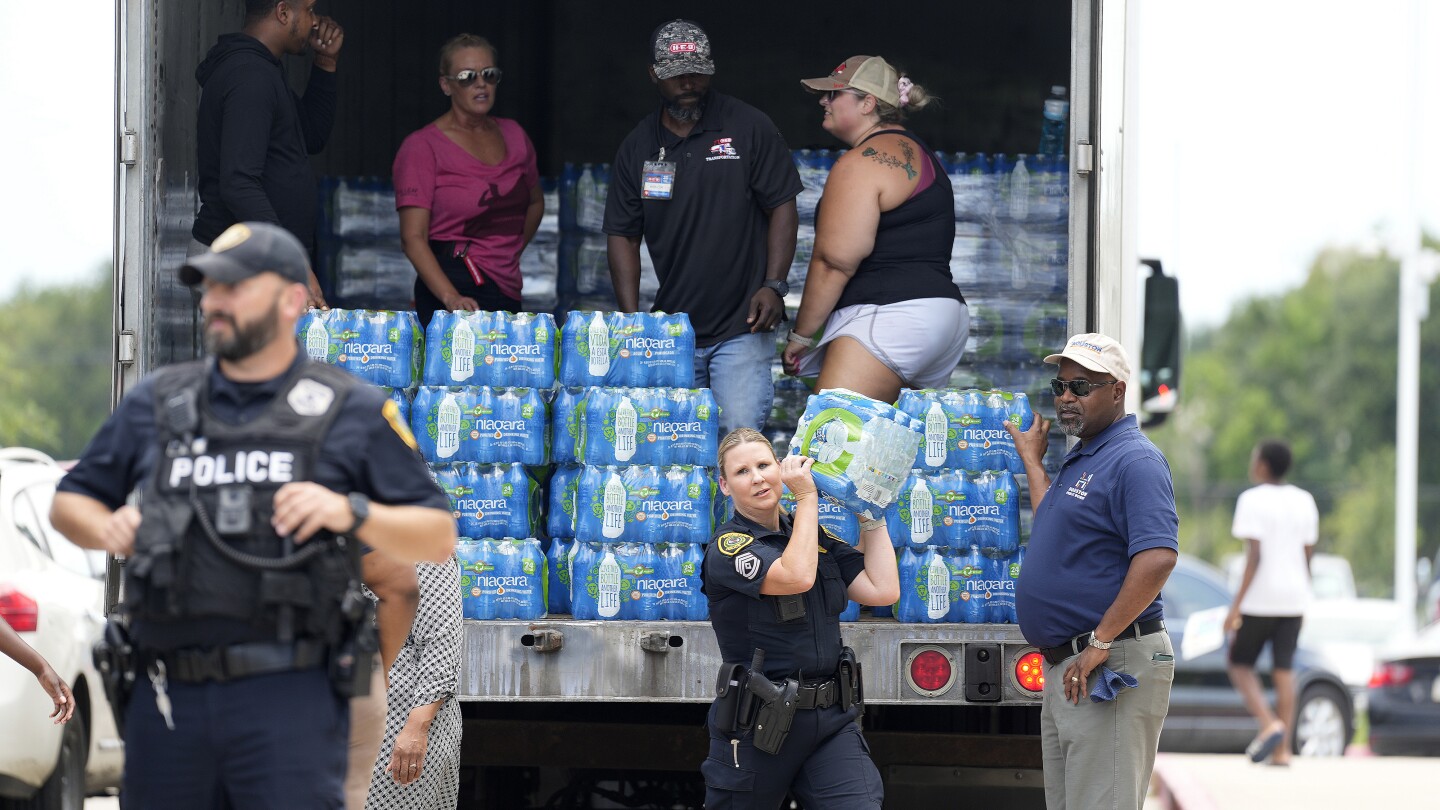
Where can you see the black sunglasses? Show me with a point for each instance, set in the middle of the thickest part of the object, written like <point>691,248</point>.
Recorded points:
<point>465,78</point>
<point>830,95</point>
<point>1080,388</point>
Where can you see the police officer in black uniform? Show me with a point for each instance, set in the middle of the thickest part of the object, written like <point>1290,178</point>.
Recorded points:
<point>259,475</point>
<point>789,692</point>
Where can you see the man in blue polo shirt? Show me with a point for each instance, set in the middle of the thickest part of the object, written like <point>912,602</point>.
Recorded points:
<point>1103,543</point>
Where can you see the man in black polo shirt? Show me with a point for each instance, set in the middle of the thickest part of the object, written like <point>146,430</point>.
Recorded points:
<point>709,184</point>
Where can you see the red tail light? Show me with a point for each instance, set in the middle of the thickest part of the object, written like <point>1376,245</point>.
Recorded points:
<point>1391,674</point>
<point>1030,672</point>
<point>19,610</point>
<point>931,671</point>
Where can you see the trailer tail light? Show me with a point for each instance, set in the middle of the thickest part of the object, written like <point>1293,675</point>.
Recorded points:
<point>1391,674</point>
<point>930,670</point>
<point>19,610</point>
<point>1030,672</point>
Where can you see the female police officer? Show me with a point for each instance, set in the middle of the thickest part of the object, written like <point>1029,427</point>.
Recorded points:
<point>777,586</point>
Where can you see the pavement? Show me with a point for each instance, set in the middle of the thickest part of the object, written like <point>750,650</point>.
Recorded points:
<point>1233,782</point>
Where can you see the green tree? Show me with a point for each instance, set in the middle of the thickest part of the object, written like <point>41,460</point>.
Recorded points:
<point>55,364</point>
<point>1315,366</point>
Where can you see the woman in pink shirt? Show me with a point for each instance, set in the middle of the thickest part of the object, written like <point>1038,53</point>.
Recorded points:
<point>468,190</point>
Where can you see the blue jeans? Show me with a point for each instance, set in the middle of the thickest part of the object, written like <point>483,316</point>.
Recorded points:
<point>737,371</point>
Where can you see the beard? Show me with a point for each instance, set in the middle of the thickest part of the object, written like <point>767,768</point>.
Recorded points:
<point>243,341</point>
<point>682,113</point>
<point>1070,424</point>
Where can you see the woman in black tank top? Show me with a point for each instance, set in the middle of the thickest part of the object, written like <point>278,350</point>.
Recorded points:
<point>879,278</point>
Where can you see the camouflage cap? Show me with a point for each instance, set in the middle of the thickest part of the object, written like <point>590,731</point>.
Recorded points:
<point>680,47</point>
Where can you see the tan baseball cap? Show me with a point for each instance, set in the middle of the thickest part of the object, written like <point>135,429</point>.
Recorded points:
<point>868,74</point>
<point>1096,352</point>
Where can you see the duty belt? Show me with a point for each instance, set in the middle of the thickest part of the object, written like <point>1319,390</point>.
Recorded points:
<point>1077,644</point>
<point>221,664</point>
<point>822,695</point>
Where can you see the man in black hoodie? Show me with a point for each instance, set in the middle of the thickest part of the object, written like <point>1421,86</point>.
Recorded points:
<point>254,134</point>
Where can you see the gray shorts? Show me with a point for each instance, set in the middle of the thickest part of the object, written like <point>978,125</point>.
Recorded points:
<point>920,340</point>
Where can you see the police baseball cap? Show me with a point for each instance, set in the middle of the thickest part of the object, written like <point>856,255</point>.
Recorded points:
<point>1096,352</point>
<point>681,47</point>
<point>868,74</point>
<point>246,249</point>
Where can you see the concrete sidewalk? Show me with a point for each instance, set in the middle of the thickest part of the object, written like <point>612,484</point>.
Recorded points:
<point>1233,782</point>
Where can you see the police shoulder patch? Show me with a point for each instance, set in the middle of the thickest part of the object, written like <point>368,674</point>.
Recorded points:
<point>747,565</point>
<point>391,411</point>
<point>730,543</point>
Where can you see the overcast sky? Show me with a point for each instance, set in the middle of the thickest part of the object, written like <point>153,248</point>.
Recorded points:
<point>1267,131</point>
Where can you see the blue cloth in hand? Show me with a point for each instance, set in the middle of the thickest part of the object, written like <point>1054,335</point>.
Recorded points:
<point>1109,683</point>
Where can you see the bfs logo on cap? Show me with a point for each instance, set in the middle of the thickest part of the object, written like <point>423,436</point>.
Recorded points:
<point>683,47</point>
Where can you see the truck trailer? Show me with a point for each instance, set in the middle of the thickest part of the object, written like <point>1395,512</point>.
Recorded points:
<point>568,713</point>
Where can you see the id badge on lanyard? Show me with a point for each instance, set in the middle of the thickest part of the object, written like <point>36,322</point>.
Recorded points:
<point>657,181</point>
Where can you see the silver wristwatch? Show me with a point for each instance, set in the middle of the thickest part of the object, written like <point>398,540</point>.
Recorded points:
<point>1097,643</point>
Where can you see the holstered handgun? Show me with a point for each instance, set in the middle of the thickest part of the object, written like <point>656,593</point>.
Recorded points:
<point>728,691</point>
<point>848,679</point>
<point>777,706</point>
<point>115,661</point>
<point>352,660</point>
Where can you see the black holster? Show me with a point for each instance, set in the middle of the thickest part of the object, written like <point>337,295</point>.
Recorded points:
<point>116,662</point>
<point>777,706</point>
<point>848,678</point>
<point>729,687</point>
<point>352,660</point>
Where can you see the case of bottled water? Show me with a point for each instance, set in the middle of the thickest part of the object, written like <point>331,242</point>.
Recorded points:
<point>381,347</point>
<point>620,349</point>
<point>863,449</point>
<point>974,587</point>
<point>678,588</point>
<point>915,519</point>
<point>498,349</point>
<point>681,511</point>
<point>490,500</point>
<point>993,504</point>
<point>502,579</point>
<point>479,423</point>
<point>928,588</point>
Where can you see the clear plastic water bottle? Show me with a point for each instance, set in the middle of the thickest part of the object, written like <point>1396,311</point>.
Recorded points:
<point>1056,117</point>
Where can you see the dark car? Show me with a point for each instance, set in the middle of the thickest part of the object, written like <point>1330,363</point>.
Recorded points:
<point>1405,698</point>
<point>1207,714</point>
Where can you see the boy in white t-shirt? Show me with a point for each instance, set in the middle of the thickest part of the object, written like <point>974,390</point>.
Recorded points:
<point>1279,524</point>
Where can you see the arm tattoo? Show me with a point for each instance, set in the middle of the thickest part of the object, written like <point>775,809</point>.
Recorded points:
<point>886,159</point>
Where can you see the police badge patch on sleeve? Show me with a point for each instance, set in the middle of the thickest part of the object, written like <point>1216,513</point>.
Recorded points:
<point>731,543</point>
<point>747,565</point>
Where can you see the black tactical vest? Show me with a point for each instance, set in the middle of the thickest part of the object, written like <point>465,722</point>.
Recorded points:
<point>205,547</point>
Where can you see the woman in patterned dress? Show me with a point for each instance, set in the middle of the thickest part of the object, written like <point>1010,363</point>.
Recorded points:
<point>419,763</point>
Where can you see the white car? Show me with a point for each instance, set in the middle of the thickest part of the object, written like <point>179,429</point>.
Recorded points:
<point>52,593</point>
<point>1351,634</point>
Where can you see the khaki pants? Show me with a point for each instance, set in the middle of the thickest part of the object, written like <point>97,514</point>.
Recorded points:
<point>367,729</point>
<point>1098,756</point>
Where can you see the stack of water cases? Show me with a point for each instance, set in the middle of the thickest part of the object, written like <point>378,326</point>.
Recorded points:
<point>583,281</point>
<point>632,496</point>
<point>481,419</point>
<point>956,524</point>
<point>1010,259</point>
<point>360,261</point>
